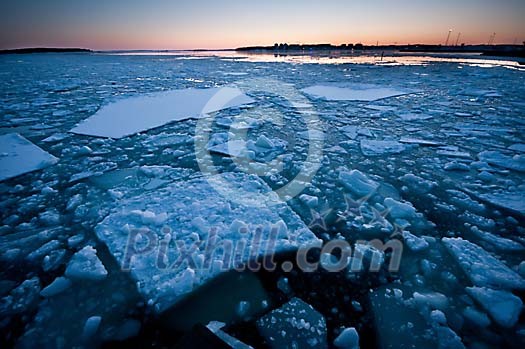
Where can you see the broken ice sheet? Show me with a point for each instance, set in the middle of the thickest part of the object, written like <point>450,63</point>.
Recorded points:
<point>481,267</point>
<point>191,209</point>
<point>19,156</point>
<point>356,92</point>
<point>136,114</point>
<point>512,201</point>
<point>503,306</point>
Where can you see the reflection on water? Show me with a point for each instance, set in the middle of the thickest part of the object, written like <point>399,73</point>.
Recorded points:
<point>390,58</point>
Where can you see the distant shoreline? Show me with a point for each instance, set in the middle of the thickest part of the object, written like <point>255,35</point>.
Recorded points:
<point>500,50</point>
<point>44,50</point>
<point>485,50</point>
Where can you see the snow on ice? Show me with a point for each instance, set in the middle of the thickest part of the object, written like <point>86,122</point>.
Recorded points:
<point>136,114</point>
<point>481,267</point>
<point>192,209</point>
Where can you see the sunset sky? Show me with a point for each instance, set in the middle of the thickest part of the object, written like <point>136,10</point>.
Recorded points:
<point>181,24</point>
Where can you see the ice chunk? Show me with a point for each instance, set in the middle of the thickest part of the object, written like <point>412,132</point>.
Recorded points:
<point>410,140</point>
<point>358,183</point>
<point>57,137</point>
<point>413,242</point>
<point>502,306</point>
<point>135,114</point>
<point>19,156</point>
<point>482,268</point>
<point>352,131</point>
<point>91,327</point>
<point>397,209</point>
<point>21,299</point>
<point>85,265</point>
<point>294,325</point>
<point>519,147</point>
<point>477,317</point>
<point>508,200</point>
<point>195,210</point>
<point>347,339</point>
<point>310,201</point>
<point>414,116</point>
<point>354,92</point>
<point>376,148</point>
<point>417,184</point>
<point>234,343</point>
<point>312,135</point>
<point>59,285</point>
<point>456,166</point>
<point>516,163</point>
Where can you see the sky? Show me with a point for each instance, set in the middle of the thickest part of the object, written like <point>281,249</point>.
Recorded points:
<point>214,24</point>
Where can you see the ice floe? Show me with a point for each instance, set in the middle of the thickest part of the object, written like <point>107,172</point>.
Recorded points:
<point>191,210</point>
<point>136,114</point>
<point>354,93</point>
<point>19,156</point>
<point>376,148</point>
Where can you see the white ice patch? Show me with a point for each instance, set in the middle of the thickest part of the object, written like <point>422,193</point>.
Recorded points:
<point>19,156</point>
<point>483,269</point>
<point>353,93</point>
<point>136,114</point>
<point>191,210</point>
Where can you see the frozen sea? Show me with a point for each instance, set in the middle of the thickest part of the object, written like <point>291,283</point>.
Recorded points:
<point>425,151</point>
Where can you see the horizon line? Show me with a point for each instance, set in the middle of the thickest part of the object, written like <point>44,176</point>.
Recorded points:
<point>248,46</point>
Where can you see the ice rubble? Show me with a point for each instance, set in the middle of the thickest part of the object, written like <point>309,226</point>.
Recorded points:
<point>483,269</point>
<point>262,147</point>
<point>294,325</point>
<point>189,211</point>
<point>19,156</point>
<point>136,114</point>
<point>353,93</point>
